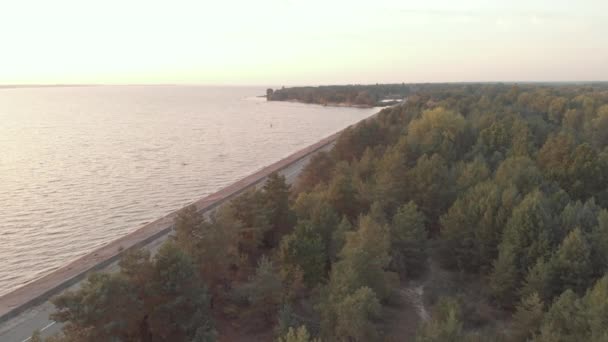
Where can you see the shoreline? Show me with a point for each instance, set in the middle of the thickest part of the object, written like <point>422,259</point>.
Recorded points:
<point>39,291</point>
<point>42,289</point>
<point>330,104</point>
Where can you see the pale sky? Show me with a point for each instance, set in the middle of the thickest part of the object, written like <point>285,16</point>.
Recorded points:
<point>285,42</point>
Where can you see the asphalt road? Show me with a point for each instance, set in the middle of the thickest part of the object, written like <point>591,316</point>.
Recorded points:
<point>20,328</point>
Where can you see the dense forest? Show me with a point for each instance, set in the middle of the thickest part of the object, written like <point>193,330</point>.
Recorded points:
<point>488,202</point>
<point>350,95</point>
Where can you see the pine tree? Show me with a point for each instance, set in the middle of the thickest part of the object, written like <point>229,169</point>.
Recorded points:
<point>445,325</point>
<point>438,131</point>
<point>529,235</point>
<point>365,257</point>
<point>276,204</point>
<point>527,318</point>
<point>362,264</point>
<point>408,241</point>
<point>179,301</point>
<point>596,304</point>
<point>472,227</point>
<point>304,249</point>
<point>572,263</point>
<point>338,238</point>
<point>355,314</point>
<point>599,244</point>
<point>317,171</point>
<point>565,320</point>
<point>432,184</point>
<point>504,279</point>
<point>392,185</point>
<point>106,307</point>
<point>263,291</point>
<point>540,281</point>
<point>342,193</point>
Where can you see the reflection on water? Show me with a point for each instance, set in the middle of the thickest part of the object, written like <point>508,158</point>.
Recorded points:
<point>82,166</point>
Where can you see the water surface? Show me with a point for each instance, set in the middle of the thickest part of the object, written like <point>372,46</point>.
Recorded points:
<point>81,166</point>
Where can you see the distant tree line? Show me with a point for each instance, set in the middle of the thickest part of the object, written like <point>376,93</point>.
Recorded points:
<point>503,185</point>
<point>353,95</point>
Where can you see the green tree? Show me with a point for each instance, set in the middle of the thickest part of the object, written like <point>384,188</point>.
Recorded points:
<point>304,249</point>
<point>105,308</point>
<point>165,299</point>
<point>364,258</point>
<point>565,321</point>
<point>528,236</point>
<point>585,172</point>
<point>555,156</point>
<point>571,318</point>
<point>577,214</point>
<point>471,173</point>
<point>355,315</point>
<point>445,325</point>
<point>276,204</point>
<point>520,172</point>
<point>472,227</point>
<point>527,318</point>
<point>317,171</point>
<point>438,131</point>
<point>572,121</point>
<point>504,279</point>
<point>138,268</point>
<point>521,144</point>
<point>315,210</point>
<point>392,183</point>
<point>339,238</point>
<point>250,211</point>
<point>540,281</point>
<point>557,109</point>
<point>220,250</point>
<point>362,264</point>
<point>353,141</point>
<point>572,263</point>
<point>494,141</point>
<point>180,302</point>
<point>212,245</point>
<point>263,291</point>
<point>600,127</point>
<point>432,188</point>
<point>366,167</point>
<point>599,244</point>
<point>596,304</point>
<point>342,193</point>
<point>408,241</point>
<point>189,229</point>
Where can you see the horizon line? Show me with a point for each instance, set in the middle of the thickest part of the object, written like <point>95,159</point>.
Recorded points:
<point>61,85</point>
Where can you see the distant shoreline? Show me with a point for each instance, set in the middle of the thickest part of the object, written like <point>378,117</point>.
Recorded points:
<point>16,86</point>
<point>330,104</point>
<point>334,104</point>
<point>339,104</point>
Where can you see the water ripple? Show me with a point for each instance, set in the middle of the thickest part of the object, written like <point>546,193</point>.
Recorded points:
<point>97,162</point>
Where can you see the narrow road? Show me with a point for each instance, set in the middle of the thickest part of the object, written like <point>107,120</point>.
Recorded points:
<point>20,328</point>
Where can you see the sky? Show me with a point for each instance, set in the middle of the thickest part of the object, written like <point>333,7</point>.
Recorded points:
<point>301,42</point>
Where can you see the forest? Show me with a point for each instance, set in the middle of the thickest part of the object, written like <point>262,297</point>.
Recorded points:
<point>489,202</point>
<point>351,95</point>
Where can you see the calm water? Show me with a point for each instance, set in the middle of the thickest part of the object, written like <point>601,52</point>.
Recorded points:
<point>82,166</point>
